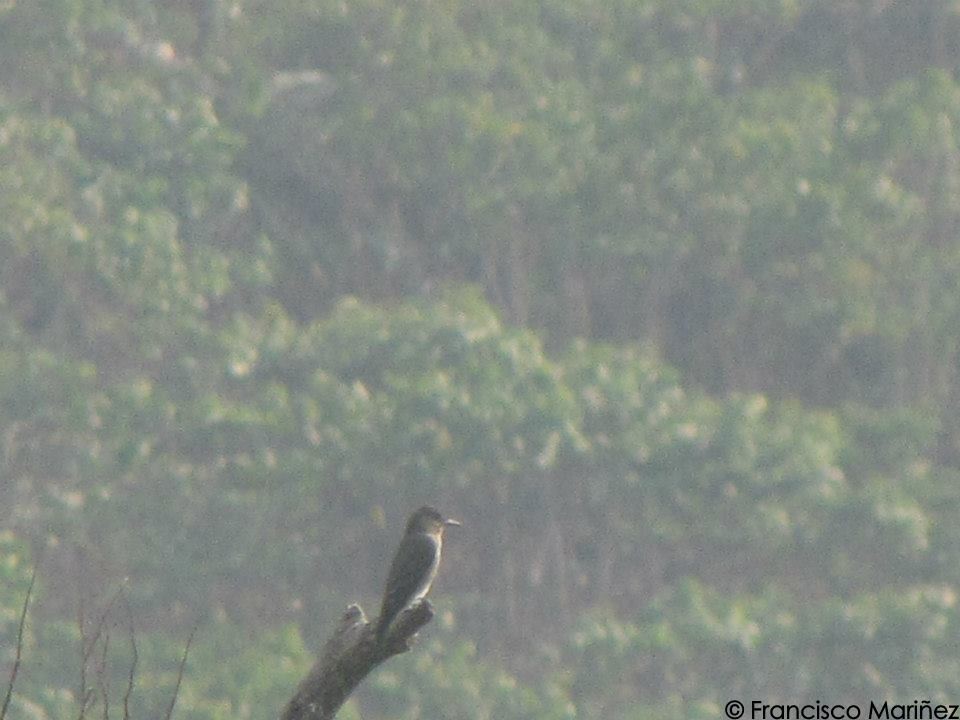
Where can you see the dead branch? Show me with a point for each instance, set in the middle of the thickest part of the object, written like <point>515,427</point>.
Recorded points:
<point>348,657</point>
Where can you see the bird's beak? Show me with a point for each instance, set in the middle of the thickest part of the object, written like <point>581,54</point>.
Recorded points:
<point>450,522</point>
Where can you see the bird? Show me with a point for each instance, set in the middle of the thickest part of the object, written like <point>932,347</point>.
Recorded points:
<point>414,565</point>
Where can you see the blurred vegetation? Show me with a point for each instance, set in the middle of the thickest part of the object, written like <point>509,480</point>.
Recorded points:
<point>659,297</point>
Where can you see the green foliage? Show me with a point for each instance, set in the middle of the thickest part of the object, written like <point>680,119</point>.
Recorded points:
<point>641,170</point>
<point>700,646</point>
<point>448,680</point>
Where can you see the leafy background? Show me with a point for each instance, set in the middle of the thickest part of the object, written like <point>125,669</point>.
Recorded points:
<point>659,297</point>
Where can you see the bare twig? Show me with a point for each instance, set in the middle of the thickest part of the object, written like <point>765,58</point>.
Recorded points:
<point>81,625</point>
<point>183,661</point>
<point>89,645</point>
<point>16,662</point>
<point>133,662</point>
<point>101,626</point>
<point>103,680</point>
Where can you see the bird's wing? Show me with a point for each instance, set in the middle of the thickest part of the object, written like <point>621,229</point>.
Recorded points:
<point>411,568</point>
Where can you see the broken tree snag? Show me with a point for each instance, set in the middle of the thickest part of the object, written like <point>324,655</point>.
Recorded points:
<point>348,657</point>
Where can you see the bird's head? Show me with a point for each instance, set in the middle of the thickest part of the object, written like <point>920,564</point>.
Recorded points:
<point>428,520</point>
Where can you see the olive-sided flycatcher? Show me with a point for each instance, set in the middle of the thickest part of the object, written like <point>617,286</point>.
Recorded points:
<point>414,566</point>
